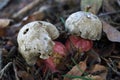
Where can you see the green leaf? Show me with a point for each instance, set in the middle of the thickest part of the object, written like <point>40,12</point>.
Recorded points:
<point>79,77</point>
<point>62,20</point>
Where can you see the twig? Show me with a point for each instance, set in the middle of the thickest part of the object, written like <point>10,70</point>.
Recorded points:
<point>118,73</point>
<point>14,68</point>
<point>11,52</point>
<point>0,58</point>
<point>47,75</point>
<point>4,69</point>
<point>117,57</point>
<point>118,1</point>
<point>111,66</point>
<point>109,13</point>
<point>26,9</point>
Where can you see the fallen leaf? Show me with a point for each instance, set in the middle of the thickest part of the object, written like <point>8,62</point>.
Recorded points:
<point>96,68</point>
<point>94,5</point>
<point>55,79</point>
<point>100,68</point>
<point>3,25</point>
<point>119,64</point>
<point>82,45</point>
<point>49,63</point>
<point>33,17</point>
<point>112,33</point>
<point>24,75</point>
<point>77,70</point>
<point>2,32</point>
<point>91,77</point>
<point>93,57</point>
<point>96,77</point>
<point>4,22</point>
<point>76,79</point>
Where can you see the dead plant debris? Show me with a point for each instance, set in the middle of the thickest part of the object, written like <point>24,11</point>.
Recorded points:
<point>101,62</point>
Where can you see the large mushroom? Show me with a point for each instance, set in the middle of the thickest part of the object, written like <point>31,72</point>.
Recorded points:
<point>84,24</point>
<point>83,27</point>
<point>35,40</point>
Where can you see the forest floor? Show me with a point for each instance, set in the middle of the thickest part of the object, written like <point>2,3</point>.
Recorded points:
<point>102,62</point>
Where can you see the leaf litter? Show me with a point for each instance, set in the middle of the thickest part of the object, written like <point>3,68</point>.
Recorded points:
<point>101,64</point>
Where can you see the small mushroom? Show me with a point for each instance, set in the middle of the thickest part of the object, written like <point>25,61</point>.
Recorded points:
<point>34,41</point>
<point>84,24</point>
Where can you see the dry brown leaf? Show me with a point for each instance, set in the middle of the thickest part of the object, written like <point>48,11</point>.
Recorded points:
<point>94,5</point>
<point>3,25</point>
<point>76,79</point>
<point>4,22</point>
<point>2,32</point>
<point>119,64</point>
<point>93,57</point>
<point>112,33</point>
<point>55,79</point>
<point>96,68</point>
<point>97,77</point>
<point>91,77</point>
<point>24,75</point>
<point>35,16</point>
<point>77,70</point>
<point>100,68</point>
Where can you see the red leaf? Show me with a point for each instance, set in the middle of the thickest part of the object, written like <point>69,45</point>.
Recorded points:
<point>51,65</point>
<point>59,52</point>
<point>59,48</point>
<point>79,43</point>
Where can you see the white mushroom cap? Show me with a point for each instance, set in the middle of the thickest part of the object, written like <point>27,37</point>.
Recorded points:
<point>84,24</point>
<point>34,41</point>
<point>50,28</point>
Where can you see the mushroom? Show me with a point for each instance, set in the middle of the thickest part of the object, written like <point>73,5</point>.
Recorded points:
<point>35,40</point>
<point>50,28</point>
<point>84,24</point>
